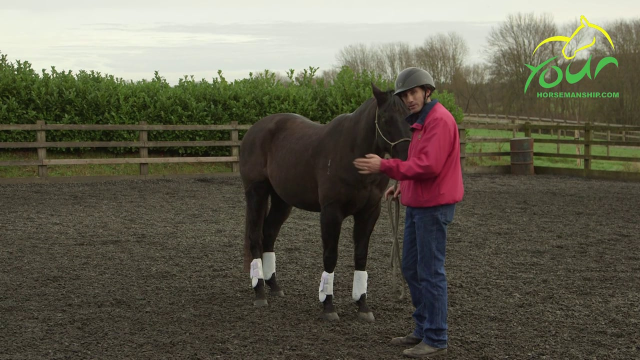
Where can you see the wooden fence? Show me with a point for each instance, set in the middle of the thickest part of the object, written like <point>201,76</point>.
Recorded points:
<point>514,125</point>
<point>143,144</point>
<point>614,130</point>
<point>584,135</point>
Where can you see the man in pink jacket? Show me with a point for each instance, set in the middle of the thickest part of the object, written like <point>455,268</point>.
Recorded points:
<point>430,186</point>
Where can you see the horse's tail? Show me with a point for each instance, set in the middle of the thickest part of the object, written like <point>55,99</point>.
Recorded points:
<point>252,237</point>
<point>256,190</point>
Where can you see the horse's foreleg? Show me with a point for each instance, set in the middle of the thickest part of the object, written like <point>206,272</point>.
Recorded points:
<point>257,198</point>
<point>278,214</point>
<point>363,225</point>
<point>330,223</point>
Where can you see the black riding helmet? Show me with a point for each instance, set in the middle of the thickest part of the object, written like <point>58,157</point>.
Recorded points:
<point>412,77</point>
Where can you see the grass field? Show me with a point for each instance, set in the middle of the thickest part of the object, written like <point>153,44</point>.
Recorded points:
<point>201,168</point>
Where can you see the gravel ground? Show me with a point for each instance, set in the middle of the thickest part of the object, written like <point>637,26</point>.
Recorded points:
<point>539,267</point>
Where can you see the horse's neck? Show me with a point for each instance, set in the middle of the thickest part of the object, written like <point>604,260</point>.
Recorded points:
<point>364,129</point>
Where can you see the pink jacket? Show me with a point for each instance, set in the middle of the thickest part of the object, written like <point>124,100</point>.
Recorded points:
<point>431,175</point>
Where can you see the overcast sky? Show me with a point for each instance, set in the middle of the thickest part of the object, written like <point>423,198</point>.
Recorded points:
<point>133,38</point>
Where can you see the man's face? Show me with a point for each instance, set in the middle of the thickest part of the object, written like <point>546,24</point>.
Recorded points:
<point>413,99</point>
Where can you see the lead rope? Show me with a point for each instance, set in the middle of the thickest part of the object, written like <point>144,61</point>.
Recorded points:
<point>395,246</point>
<point>396,262</point>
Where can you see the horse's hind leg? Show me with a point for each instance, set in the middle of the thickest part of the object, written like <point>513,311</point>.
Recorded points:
<point>363,224</point>
<point>278,214</point>
<point>257,199</point>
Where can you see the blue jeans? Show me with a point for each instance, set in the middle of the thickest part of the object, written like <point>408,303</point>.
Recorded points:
<point>423,258</point>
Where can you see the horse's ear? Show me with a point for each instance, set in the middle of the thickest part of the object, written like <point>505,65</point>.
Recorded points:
<point>378,94</point>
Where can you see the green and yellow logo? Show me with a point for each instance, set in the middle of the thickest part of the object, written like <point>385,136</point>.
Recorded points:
<point>586,69</point>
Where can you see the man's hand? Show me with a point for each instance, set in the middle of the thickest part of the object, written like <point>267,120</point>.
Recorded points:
<point>390,192</point>
<point>370,164</point>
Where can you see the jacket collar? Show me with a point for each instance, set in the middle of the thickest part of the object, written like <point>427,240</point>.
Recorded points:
<point>419,118</point>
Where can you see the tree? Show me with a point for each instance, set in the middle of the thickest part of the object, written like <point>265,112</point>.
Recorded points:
<point>442,55</point>
<point>396,57</point>
<point>358,57</point>
<point>572,108</point>
<point>510,47</point>
<point>470,86</point>
<point>329,75</point>
<point>386,59</point>
<point>624,78</point>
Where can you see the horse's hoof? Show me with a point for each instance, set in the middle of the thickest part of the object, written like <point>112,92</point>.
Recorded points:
<point>278,293</point>
<point>332,316</point>
<point>368,316</point>
<point>260,302</point>
<point>274,288</point>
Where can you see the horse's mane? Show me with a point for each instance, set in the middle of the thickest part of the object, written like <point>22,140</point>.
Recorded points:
<point>366,106</point>
<point>393,100</point>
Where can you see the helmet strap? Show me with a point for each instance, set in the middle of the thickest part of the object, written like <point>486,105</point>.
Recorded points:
<point>425,88</point>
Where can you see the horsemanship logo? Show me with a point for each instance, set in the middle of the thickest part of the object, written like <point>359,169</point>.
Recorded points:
<point>571,78</point>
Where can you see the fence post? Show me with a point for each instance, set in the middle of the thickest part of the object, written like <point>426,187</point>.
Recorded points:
<point>576,136</point>
<point>144,151</point>
<point>608,139</point>
<point>527,129</point>
<point>558,149</point>
<point>41,137</point>
<point>587,146</point>
<point>235,150</point>
<point>462,134</point>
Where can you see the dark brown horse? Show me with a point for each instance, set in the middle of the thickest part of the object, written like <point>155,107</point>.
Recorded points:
<point>296,162</point>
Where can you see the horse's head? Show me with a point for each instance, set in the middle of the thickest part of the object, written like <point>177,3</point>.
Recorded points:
<point>392,131</point>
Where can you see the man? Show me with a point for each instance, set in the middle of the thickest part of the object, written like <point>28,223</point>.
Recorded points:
<point>430,186</point>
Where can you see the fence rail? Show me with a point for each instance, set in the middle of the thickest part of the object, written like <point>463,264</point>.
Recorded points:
<point>517,120</point>
<point>143,144</point>
<point>40,125</point>
<point>529,119</point>
<point>584,134</point>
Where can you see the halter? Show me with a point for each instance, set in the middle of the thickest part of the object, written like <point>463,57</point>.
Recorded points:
<point>385,139</point>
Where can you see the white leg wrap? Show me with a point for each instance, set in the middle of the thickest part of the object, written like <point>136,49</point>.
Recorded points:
<point>256,272</point>
<point>326,286</point>
<point>269,264</point>
<point>359,284</point>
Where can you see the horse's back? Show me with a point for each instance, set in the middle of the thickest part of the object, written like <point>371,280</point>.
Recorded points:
<point>276,144</point>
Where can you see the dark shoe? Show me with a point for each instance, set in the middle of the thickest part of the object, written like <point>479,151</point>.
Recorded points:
<point>423,350</point>
<point>406,340</point>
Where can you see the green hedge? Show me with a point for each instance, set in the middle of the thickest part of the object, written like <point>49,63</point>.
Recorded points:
<point>93,98</point>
